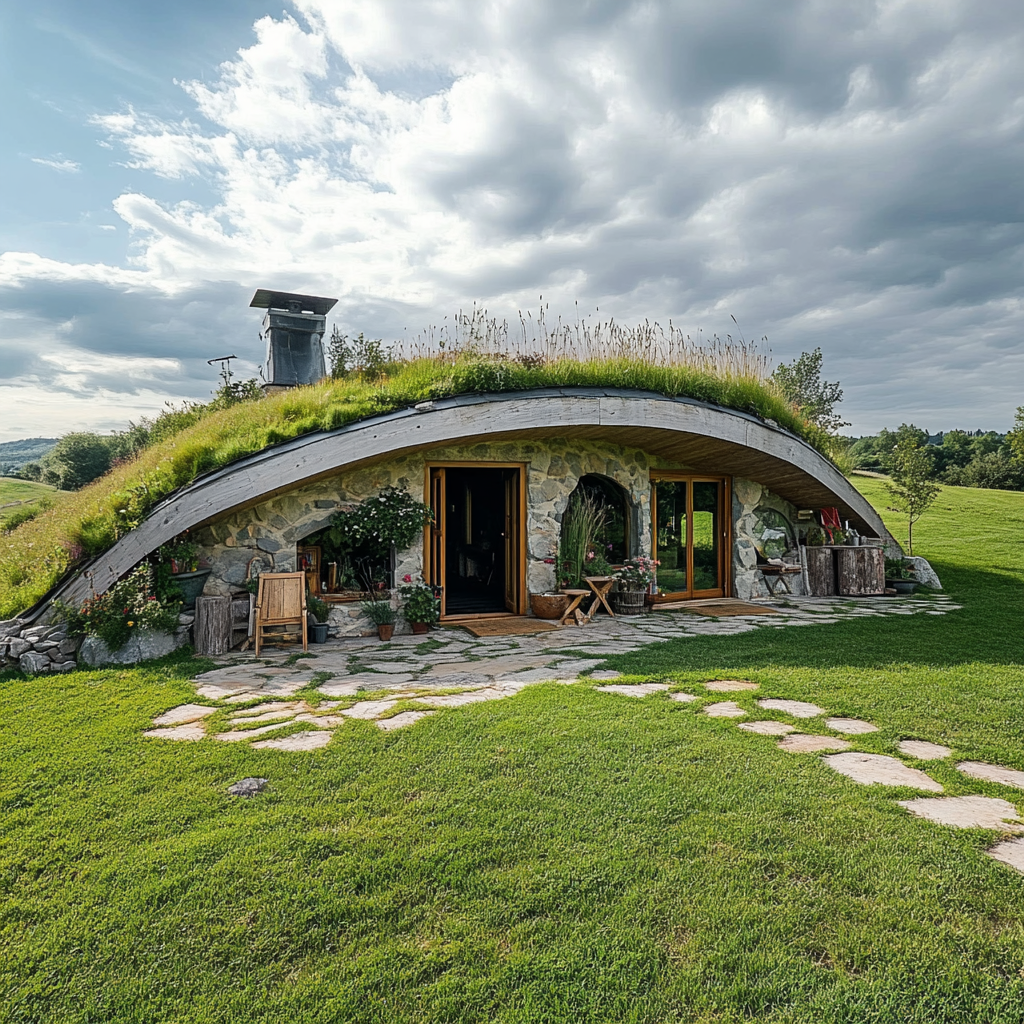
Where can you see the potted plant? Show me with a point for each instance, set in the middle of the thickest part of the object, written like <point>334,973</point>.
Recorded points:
<point>419,606</point>
<point>899,575</point>
<point>379,611</point>
<point>183,558</point>
<point>635,578</point>
<point>320,611</point>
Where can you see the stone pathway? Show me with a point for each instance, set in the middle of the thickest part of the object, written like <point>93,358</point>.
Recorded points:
<point>266,700</point>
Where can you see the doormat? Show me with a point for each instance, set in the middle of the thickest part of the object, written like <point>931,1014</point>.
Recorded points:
<point>514,625</point>
<point>732,608</point>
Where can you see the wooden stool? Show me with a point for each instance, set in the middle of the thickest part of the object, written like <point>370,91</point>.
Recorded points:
<point>600,585</point>
<point>573,615</point>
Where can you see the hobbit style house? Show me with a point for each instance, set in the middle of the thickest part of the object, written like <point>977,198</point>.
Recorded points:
<point>711,492</point>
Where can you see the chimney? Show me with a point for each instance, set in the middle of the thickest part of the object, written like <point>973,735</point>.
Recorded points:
<point>293,330</point>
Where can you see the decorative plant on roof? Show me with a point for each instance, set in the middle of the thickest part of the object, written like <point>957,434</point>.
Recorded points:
<point>393,517</point>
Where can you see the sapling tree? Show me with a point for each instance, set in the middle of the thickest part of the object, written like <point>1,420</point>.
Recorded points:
<point>911,489</point>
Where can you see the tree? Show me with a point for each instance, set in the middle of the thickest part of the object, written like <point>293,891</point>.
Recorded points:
<point>911,489</point>
<point>76,459</point>
<point>1016,436</point>
<point>801,384</point>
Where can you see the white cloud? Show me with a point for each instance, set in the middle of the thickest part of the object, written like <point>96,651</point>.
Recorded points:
<point>57,164</point>
<point>835,176</point>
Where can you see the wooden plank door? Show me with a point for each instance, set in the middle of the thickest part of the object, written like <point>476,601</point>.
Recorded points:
<point>511,535</point>
<point>436,552</point>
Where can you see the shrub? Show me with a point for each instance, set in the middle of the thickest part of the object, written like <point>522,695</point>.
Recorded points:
<point>419,601</point>
<point>394,517</point>
<point>321,609</point>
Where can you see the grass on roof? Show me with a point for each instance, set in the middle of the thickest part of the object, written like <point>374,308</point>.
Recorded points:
<point>34,557</point>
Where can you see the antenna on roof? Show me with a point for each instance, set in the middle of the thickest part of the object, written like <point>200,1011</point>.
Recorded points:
<point>225,367</point>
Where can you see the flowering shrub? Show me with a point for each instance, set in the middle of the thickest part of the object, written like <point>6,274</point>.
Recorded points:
<point>419,602</point>
<point>637,573</point>
<point>129,605</point>
<point>393,517</point>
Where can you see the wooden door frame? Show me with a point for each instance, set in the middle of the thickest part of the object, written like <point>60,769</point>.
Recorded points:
<point>725,549</point>
<point>520,570</point>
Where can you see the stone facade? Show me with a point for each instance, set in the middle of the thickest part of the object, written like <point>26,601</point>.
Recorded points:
<point>36,648</point>
<point>748,499</point>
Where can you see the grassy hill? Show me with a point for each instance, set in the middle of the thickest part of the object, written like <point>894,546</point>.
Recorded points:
<point>89,521</point>
<point>15,454</point>
<point>17,496</point>
<point>559,856</point>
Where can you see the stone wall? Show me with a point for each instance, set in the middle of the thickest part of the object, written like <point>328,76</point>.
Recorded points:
<point>748,497</point>
<point>270,531</point>
<point>36,648</point>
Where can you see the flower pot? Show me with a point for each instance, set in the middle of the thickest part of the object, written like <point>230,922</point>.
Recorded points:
<point>629,602</point>
<point>549,606</point>
<point>191,585</point>
<point>385,629</point>
<point>420,627</point>
<point>318,632</point>
<point>902,586</point>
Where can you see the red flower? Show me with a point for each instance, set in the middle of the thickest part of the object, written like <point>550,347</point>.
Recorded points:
<point>407,578</point>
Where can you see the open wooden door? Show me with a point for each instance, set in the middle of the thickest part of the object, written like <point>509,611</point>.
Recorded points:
<point>511,534</point>
<point>436,550</point>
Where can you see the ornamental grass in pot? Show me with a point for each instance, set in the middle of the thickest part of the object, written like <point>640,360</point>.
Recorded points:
<point>379,611</point>
<point>320,612</point>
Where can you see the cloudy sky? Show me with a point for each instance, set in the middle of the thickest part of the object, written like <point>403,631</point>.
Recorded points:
<point>836,174</point>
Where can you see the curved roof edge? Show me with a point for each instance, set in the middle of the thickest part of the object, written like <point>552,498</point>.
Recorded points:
<point>685,430</point>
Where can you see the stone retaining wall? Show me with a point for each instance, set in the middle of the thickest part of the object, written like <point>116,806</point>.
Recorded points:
<point>37,648</point>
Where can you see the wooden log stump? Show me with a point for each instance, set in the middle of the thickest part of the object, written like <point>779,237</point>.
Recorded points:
<point>212,628</point>
<point>821,572</point>
<point>860,571</point>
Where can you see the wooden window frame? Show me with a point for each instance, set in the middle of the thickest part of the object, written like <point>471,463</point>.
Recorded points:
<point>725,538</point>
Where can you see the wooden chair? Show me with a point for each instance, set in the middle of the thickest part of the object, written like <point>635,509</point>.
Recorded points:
<point>281,602</point>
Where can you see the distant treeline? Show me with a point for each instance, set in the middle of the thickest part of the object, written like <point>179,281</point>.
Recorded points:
<point>15,454</point>
<point>964,458</point>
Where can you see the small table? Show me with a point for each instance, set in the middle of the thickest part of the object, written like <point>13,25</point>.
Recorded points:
<point>774,576</point>
<point>600,585</point>
<point>573,614</point>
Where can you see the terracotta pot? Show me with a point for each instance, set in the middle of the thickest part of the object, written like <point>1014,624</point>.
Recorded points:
<point>549,606</point>
<point>420,627</point>
<point>384,630</point>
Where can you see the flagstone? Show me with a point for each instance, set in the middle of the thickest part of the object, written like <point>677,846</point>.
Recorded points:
<point>243,698</point>
<point>725,709</point>
<point>328,721</point>
<point>878,768</point>
<point>184,713</point>
<point>993,773</point>
<point>766,728</point>
<point>1010,853</point>
<point>248,715</point>
<point>220,691</point>
<point>368,709</point>
<point>267,716</point>
<point>237,735</point>
<point>455,700</point>
<point>850,726</point>
<point>299,741</point>
<point>923,750</point>
<point>967,812</point>
<point>730,685</point>
<point>796,708</point>
<point>401,720</point>
<point>803,743</point>
<point>632,689</point>
<point>683,698</point>
<point>190,732</point>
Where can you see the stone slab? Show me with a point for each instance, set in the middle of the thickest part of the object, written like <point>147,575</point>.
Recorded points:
<point>267,716</point>
<point>967,812</point>
<point>993,773</point>
<point>683,698</point>
<point>725,709</point>
<point>277,706</point>
<point>401,720</point>
<point>730,685</point>
<point>238,735</point>
<point>850,726</point>
<point>189,733</point>
<point>1010,853</point>
<point>456,700</point>
<point>606,673</point>
<point>796,708</point>
<point>366,710</point>
<point>765,728</point>
<point>923,750</point>
<point>247,787</point>
<point>183,713</point>
<point>312,740</point>
<point>877,768</point>
<point>634,690</point>
<point>803,743</point>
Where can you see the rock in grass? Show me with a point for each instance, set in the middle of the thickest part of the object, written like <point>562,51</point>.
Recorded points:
<point>248,787</point>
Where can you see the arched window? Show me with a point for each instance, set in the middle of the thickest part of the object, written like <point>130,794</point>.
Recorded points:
<point>614,538</point>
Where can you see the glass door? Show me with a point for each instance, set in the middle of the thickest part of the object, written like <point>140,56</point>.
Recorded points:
<point>690,535</point>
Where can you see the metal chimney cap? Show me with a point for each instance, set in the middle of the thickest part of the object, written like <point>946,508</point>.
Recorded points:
<point>292,303</point>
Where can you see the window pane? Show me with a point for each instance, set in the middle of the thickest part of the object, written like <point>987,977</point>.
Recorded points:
<point>670,498</point>
<point>706,531</point>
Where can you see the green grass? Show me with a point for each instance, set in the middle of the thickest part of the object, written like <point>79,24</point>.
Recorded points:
<point>560,856</point>
<point>16,496</point>
<point>36,555</point>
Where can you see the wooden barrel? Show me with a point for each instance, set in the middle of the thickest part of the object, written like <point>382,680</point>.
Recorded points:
<point>629,602</point>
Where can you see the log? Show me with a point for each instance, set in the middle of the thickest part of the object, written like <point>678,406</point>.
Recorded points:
<point>821,572</point>
<point>860,571</point>
<point>212,628</point>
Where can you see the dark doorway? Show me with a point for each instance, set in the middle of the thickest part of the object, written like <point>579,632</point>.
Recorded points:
<point>478,546</point>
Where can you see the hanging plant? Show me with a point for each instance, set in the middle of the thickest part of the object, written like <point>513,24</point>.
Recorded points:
<point>393,517</point>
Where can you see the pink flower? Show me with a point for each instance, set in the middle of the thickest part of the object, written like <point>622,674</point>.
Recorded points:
<point>407,578</point>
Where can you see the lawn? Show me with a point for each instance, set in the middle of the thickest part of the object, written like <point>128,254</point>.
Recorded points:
<point>564,855</point>
<point>13,490</point>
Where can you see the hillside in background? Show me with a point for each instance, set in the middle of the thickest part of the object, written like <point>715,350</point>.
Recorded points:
<point>15,454</point>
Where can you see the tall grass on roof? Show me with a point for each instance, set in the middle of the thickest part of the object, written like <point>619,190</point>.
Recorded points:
<point>476,354</point>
